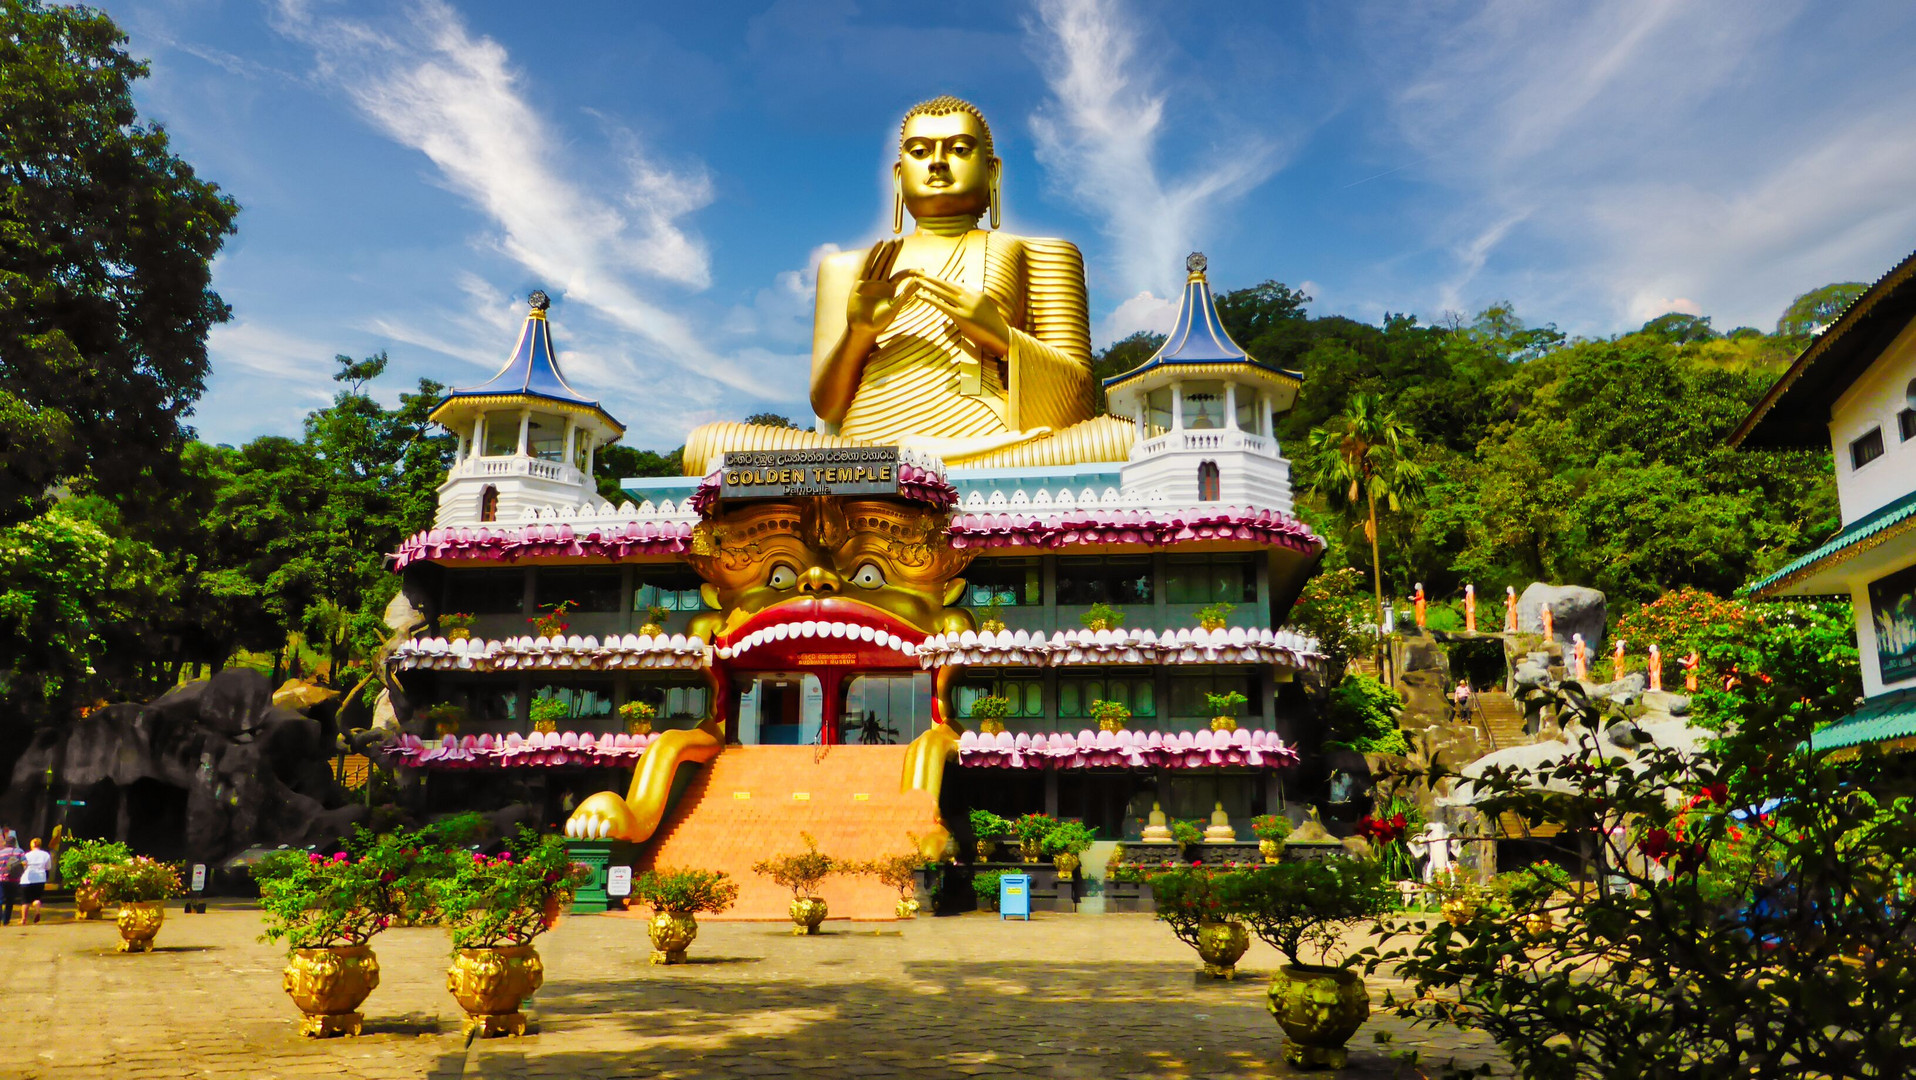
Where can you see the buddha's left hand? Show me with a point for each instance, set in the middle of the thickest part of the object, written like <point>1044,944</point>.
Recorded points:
<point>976,314</point>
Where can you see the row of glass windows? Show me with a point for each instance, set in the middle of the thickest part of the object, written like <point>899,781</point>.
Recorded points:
<point>1204,404</point>
<point>590,589</point>
<point>492,703</point>
<point>1076,694</point>
<point>545,437</point>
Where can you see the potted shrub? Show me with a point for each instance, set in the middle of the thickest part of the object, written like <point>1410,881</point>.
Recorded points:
<point>1110,715</point>
<point>140,886</point>
<point>1032,830</point>
<point>495,906</point>
<point>985,886</point>
<point>445,718</point>
<point>547,712</point>
<point>990,712</point>
<point>1102,616</point>
<point>1066,845</point>
<point>802,873</point>
<point>638,717</point>
<point>1526,894</point>
<point>1201,907</point>
<point>986,827</point>
<point>552,624</point>
<point>326,910</point>
<point>991,617</point>
<point>676,898</point>
<point>410,861</point>
<point>1302,908</point>
<point>1270,830</point>
<point>1457,895</point>
<point>455,625</point>
<point>899,872</point>
<point>1125,885</point>
<point>77,860</point>
<point>1215,616</point>
<point>1186,834</point>
<point>1224,709</point>
<point>655,616</point>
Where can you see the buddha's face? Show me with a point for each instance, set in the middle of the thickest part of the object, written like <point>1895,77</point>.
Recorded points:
<point>942,166</point>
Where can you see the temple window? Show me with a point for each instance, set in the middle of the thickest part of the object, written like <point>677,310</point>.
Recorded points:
<point>1210,579</point>
<point>1247,412</point>
<point>584,700</point>
<point>1906,424</point>
<point>589,589</point>
<point>485,592</point>
<point>674,701</point>
<point>674,588</point>
<point>887,709</point>
<point>1866,449</point>
<point>1203,405</point>
<point>1006,582</point>
<point>1104,579</point>
<point>1190,710</point>
<point>545,437</point>
<point>489,503</point>
<point>502,434</point>
<point>1026,693</point>
<point>1138,693</point>
<point>1208,482</point>
<point>1157,409</point>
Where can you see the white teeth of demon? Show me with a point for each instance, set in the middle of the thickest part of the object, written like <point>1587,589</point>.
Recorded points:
<point>836,629</point>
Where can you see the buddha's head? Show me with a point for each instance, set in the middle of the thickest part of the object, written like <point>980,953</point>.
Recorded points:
<point>946,167</point>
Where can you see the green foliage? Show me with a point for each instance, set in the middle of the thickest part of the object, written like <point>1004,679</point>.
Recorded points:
<point>312,902</point>
<point>1361,457</point>
<point>984,885</point>
<point>986,824</point>
<point>1680,328</point>
<point>1033,829</point>
<point>1190,896</point>
<point>1226,704</point>
<point>1364,717</point>
<point>1219,613</point>
<point>990,707</point>
<point>1069,838</point>
<point>1764,925</point>
<point>509,898</point>
<point>899,872</point>
<point>452,621</point>
<point>1111,712</point>
<point>1302,907</point>
<point>1271,827</point>
<point>135,880</point>
<point>804,871</point>
<point>78,857</point>
<point>1187,833</point>
<point>106,246</point>
<point>686,892</point>
<point>1333,610</point>
<point>1818,308</point>
<point>547,710</point>
<point>1104,613</point>
<point>611,464</point>
<point>1119,357</point>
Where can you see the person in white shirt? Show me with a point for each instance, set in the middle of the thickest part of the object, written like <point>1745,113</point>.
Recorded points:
<point>33,880</point>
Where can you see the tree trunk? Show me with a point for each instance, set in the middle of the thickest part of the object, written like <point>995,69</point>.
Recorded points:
<point>1377,579</point>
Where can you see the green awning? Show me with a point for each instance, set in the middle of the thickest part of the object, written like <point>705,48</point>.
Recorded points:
<point>1881,719</point>
<point>1857,537</point>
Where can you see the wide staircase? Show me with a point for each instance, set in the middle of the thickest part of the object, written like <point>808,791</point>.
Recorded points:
<point>752,802</point>
<point>1499,715</point>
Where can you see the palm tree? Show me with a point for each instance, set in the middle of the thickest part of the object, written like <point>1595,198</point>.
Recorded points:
<point>1359,456</point>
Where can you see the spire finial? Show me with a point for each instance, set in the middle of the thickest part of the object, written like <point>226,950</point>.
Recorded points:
<point>1195,262</point>
<point>539,300</point>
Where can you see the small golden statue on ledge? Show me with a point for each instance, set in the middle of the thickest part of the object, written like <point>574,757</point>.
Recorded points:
<point>967,343</point>
<point>1220,831</point>
<point>1158,831</point>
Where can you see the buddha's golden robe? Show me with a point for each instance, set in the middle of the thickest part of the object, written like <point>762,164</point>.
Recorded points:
<point>925,381</point>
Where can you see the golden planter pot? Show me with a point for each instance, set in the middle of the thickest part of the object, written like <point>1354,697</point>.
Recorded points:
<point>651,629</point>
<point>1222,945</point>
<point>807,913</point>
<point>490,983</point>
<point>328,985</point>
<point>459,634</point>
<point>671,932</point>
<point>1319,1010</point>
<point>1223,723</point>
<point>907,908</point>
<point>1459,912</point>
<point>139,922</point>
<point>1270,849</point>
<point>1067,865</point>
<point>1537,924</point>
<point>1031,850</point>
<point>87,903</point>
<point>985,848</point>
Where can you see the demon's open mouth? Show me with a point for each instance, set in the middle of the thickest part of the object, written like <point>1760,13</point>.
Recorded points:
<point>821,619</point>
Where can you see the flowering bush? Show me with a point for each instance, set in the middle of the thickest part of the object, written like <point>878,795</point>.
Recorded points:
<point>509,898</point>
<point>1110,715</point>
<point>314,901</point>
<point>686,892</point>
<point>1303,908</point>
<point>79,857</point>
<point>1032,829</point>
<point>136,880</point>
<point>1187,833</point>
<point>553,623</point>
<point>1271,827</point>
<point>452,622</point>
<point>803,872</point>
<point>1189,897</point>
<point>897,872</point>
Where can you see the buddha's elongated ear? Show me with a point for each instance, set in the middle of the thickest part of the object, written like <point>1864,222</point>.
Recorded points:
<point>898,198</point>
<point>996,200</point>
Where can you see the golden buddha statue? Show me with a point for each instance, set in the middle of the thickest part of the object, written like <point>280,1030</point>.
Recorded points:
<point>1220,831</point>
<point>967,343</point>
<point>1157,829</point>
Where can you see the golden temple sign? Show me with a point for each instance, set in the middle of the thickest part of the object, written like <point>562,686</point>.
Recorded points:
<point>824,470</point>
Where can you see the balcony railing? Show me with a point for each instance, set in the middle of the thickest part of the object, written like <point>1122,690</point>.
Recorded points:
<point>516,466</point>
<point>1213,439</point>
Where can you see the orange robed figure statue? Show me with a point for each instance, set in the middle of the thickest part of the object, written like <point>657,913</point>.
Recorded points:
<point>1579,655</point>
<point>1616,662</point>
<point>1470,609</point>
<point>1419,605</point>
<point>1656,668</point>
<point>1549,625</point>
<point>1688,664</point>
<point>1510,608</point>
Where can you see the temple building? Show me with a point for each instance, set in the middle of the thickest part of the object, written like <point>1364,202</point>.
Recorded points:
<point>1854,390</point>
<point>967,587</point>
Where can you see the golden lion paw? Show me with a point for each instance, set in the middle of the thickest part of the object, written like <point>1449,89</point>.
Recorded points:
<point>604,816</point>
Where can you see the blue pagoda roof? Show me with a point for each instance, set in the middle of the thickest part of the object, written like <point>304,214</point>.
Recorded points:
<point>1198,337</point>
<point>533,370</point>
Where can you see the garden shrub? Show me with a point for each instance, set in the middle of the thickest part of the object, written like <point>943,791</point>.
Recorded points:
<point>1363,717</point>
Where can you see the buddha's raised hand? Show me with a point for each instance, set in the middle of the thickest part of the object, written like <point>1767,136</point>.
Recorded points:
<point>875,297</point>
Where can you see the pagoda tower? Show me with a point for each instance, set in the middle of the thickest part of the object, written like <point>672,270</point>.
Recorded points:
<point>526,438</point>
<point>1206,412</point>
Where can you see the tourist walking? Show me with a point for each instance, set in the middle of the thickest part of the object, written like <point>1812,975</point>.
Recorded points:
<point>13,862</point>
<point>1461,696</point>
<point>33,880</point>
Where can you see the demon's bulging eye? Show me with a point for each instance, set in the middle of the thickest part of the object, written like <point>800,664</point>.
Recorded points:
<point>869,576</point>
<point>782,577</point>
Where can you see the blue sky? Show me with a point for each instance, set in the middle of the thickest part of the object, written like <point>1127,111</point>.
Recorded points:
<point>671,172</point>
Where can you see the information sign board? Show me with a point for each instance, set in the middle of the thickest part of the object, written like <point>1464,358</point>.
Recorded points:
<point>618,881</point>
<point>819,470</point>
<point>1014,897</point>
<point>199,877</point>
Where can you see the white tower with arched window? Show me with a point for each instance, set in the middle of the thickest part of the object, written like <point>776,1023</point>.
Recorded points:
<point>1206,412</point>
<point>527,439</point>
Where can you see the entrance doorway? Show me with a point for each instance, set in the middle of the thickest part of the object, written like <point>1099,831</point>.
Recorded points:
<point>780,710</point>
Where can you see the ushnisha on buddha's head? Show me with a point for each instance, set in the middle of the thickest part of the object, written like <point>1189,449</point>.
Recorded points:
<point>946,167</point>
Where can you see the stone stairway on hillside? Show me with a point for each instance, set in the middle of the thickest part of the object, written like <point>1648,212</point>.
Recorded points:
<point>752,802</point>
<point>1498,715</point>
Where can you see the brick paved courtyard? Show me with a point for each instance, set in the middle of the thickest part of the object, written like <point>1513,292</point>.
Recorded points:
<point>1063,996</point>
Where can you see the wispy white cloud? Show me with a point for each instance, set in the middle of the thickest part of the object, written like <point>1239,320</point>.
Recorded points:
<point>1098,135</point>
